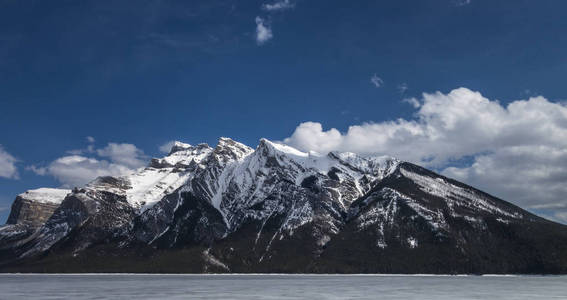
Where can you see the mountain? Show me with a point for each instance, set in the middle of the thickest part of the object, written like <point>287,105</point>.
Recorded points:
<point>29,212</point>
<point>232,208</point>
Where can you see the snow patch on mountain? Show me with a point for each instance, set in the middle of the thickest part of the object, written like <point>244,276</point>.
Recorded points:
<point>45,195</point>
<point>455,195</point>
<point>146,187</point>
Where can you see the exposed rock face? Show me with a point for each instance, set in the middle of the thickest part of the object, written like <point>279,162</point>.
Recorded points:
<point>29,212</point>
<point>34,207</point>
<point>277,209</point>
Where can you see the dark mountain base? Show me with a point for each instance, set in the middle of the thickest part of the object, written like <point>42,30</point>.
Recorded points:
<point>509,251</point>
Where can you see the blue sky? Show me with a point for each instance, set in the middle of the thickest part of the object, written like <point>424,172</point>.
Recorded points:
<point>147,73</point>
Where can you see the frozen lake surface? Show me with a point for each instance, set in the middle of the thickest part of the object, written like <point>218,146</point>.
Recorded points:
<point>128,286</point>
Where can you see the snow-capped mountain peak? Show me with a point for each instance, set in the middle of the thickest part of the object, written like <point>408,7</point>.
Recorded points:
<point>268,202</point>
<point>228,150</point>
<point>178,146</point>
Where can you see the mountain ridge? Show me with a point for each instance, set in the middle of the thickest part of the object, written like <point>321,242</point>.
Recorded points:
<point>232,208</point>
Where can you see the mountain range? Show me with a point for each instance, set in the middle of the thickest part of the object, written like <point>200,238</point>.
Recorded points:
<point>275,209</point>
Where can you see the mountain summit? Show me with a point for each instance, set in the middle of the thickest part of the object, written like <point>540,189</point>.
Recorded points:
<point>233,208</point>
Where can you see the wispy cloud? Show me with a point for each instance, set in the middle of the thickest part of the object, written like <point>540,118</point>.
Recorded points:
<point>263,31</point>
<point>376,81</point>
<point>165,148</point>
<point>403,87</point>
<point>278,5</point>
<point>89,149</point>
<point>42,171</point>
<point>263,28</point>
<point>462,2</point>
<point>412,101</point>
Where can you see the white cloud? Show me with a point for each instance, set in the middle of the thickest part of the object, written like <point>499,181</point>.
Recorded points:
<point>263,31</point>
<point>413,102</point>
<point>278,5</point>
<point>376,81</point>
<point>76,151</point>
<point>8,167</point>
<point>310,136</point>
<point>403,87</point>
<point>165,148</point>
<point>518,151</point>
<point>90,139</point>
<point>42,171</point>
<point>77,170</point>
<point>447,126</point>
<point>532,176</point>
<point>123,154</point>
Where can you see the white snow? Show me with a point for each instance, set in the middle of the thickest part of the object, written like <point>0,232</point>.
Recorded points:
<point>344,161</point>
<point>147,186</point>
<point>308,160</point>
<point>186,153</point>
<point>456,195</point>
<point>180,145</point>
<point>241,180</point>
<point>385,216</point>
<point>285,148</point>
<point>151,185</point>
<point>244,169</point>
<point>412,242</point>
<point>45,195</point>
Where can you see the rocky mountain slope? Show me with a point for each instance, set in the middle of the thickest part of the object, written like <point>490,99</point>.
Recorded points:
<point>29,212</point>
<point>232,208</point>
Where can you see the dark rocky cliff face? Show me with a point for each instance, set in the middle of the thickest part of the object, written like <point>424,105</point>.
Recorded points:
<point>276,209</point>
<point>31,213</point>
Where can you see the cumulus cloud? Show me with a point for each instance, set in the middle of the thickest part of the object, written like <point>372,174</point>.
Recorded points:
<point>446,127</point>
<point>278,5</point>
<point>532,176</point>
<point>518,151</point>
<point>8,167</point>
<point>77,170</point>
<point>263,31</point>
<point>376,81</point>
<point>123,154</point>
